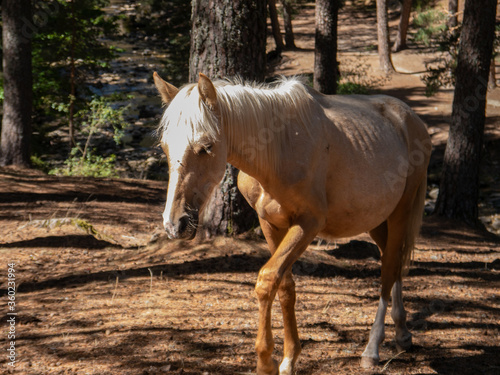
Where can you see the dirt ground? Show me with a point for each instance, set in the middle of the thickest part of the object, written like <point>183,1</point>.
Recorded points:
<point>100,290</point>
<point>136,303</point>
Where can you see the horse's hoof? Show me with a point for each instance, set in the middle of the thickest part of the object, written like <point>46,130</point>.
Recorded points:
<point>369,362</point>
<point>404,343</point>
<point>286,367</point>
<point>270,369</point>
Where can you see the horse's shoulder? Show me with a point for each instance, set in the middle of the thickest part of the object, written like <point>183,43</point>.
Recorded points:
<point>249,187</point>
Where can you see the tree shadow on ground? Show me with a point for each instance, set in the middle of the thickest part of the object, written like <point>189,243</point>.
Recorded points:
<point>487,363</point>
<point>237,263</point>
<point>75,241</point>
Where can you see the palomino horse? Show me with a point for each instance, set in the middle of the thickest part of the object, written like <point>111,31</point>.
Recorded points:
<point>311,165</point>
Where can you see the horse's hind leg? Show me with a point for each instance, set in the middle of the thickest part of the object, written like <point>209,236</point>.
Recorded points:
<point>391,272</point>
<point>370,356</point>
<point>398,313</point>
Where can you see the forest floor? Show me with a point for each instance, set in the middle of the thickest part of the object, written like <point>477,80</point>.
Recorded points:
<point>100,290</point>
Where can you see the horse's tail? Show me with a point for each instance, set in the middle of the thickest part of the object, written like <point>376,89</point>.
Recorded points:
<point>413,228</point>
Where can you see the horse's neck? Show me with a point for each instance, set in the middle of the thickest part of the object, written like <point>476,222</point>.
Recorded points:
<point>259,127</point>
<point>254,145</point>
<point>248,160</point>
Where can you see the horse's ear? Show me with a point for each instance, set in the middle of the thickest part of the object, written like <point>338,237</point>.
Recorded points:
<point>207,92</point>
<point>166,90</point>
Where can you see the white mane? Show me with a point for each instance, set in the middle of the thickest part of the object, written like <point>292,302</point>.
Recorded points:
<point>258,119</point>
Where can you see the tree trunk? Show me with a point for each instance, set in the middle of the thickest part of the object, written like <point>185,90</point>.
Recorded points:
<point>275,25</point>
<point>452,14</point>
<point>325,51</point>
<point>384,51</point>
<point>287,19</point>
<point>17,84</point>
<point>227,212</point>
<point>228,38</point>
<point>459,187</point>
<point>72,77</point>
<point>493,74</point>
<point>404,20</point>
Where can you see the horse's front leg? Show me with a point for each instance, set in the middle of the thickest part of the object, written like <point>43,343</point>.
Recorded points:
<point>286,293</point>
<point>292,348</point>
<point>271,275</point>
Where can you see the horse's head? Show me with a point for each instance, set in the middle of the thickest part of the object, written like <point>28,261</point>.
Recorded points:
<point>195,149</point>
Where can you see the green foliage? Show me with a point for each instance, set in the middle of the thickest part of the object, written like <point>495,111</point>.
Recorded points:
<point>38,163</point>
<point>355,78</point>
<point>89,165</point>
<point>433,32</point>
<point>348,88</point>
<point>430,24</point>
<point>440,73</point>
<point>421,5</point>
<point>61,32</point>
<point>100,116</point>
<point>61,29</point>
<point>441,70</point>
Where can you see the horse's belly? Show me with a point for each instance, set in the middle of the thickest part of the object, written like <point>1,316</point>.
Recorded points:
<point>356,211</point>
<point>350,226</point>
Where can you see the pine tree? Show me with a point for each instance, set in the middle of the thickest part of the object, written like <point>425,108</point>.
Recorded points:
<point>325,52</point>
<point>384,52</point>
<point>17,83</point>
<point>287,19</point>
<point>228,38</point>
<point>459,187</point>
<point>273,15</point>
<point>404,20</point>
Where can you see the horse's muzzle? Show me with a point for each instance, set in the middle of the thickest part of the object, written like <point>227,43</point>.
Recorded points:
<point>183,228</point>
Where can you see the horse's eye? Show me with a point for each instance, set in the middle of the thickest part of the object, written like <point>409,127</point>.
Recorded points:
<point>205,150</point>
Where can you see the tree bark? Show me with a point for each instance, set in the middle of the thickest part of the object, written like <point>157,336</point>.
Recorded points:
<point>228,38</point>
<point>17,76</point>
<point>325,51</point>
<point>275,25</point>
<point>384,52</point>
<point>287,19</point>
<point>72,77</point>
<point>404,20</point>
<point>227,212</point>
<point>459,186</point>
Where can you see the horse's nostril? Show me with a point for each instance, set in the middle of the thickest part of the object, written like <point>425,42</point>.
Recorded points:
<point>183,224</point>
<point>169,228</point>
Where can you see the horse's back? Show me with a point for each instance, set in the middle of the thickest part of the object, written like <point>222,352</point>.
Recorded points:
<point>372,138</point>
<point>371,113</point>
<point>351,168</point>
